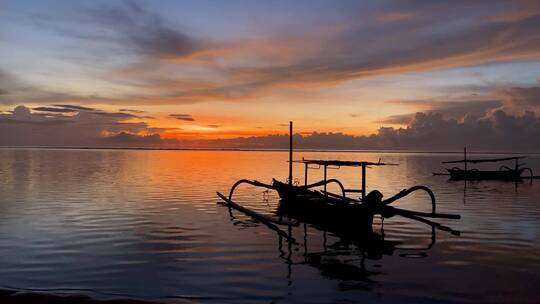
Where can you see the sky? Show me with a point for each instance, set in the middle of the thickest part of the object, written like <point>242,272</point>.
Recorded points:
<point>351,74</point>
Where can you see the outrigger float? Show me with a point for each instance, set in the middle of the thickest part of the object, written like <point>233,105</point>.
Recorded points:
<point>334,212</point>
<point>503,173</point>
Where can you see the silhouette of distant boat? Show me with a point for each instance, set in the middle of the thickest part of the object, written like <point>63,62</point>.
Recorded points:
<point>503,173</point>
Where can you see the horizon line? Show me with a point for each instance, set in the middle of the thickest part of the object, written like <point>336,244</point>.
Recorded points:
<point>266,150</point>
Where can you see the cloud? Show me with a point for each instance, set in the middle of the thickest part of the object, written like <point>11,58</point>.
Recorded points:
<point>128,27</point>
<point>163,130</point>
<point>448,109</point>
<point>74,107</point>
<point>389,39</point>
<point>185,117</point>
<point>7,81</point>
<point>23,127</point>
<point>21,113</point>
<point>120,116</point>
<point>15,90</point>
<point>213,126</point>
<point>400,119</point>
<point>133,26</point>
<point>361,51</point>
<point>497,131</point>
<point>132,111</point>
<point>124,138</point>
<point>513,100</point>
<point>54,110</point>
<point>426,132</point>
<point>524,98</point>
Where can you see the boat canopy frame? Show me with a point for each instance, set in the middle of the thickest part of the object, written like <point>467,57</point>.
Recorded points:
<point>484,160</point>
<point>336,164</point>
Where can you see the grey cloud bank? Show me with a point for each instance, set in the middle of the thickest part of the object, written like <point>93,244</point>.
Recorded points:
<point>497,131</point>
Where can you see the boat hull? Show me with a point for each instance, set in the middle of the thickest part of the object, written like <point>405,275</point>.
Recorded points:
<point>324,212</point>
<point>459,174</point>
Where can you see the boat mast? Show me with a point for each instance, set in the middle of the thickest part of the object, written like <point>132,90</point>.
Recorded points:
<point>290,152</point>
<point>364,165</point>
<point>465,157</point>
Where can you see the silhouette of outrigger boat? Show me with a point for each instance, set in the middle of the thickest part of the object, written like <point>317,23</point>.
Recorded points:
<point>503,173</point>
<point>333,212</point>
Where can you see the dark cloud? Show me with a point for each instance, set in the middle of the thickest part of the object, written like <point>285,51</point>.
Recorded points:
<point>74,107</point>
<point>528,97</point>
<point>50,114</point>
<point>512,100</point>
<point>161,130</point>
<point>186,117</point>
<point>124,138</point>
<point>119,115</point>
<point>54,110</point>
<point>85,128</point>
<point>131,27</point>
<point>131,111</point>
<point>400,119</point>
<point>213,126</point>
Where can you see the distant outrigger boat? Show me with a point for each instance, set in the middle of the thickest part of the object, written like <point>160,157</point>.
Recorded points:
<point>330,211</point>
<point>503,173</point>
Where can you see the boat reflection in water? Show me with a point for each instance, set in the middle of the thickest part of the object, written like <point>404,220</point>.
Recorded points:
<point>342,256</point>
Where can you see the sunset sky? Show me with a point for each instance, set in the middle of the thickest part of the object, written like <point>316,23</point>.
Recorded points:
<point>168,72</point>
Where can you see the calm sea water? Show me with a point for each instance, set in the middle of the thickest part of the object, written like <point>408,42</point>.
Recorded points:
<point>145,224</point>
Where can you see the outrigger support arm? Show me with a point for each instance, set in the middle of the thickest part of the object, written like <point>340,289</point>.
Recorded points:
<point>260,184</point>
<point>406,192</point>
<point>251,182</point>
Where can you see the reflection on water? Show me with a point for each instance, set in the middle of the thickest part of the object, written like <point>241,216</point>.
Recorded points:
<point>146,224</point>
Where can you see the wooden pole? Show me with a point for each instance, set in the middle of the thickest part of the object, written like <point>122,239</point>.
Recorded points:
<point>290,152</point>
<point>363,181</point>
